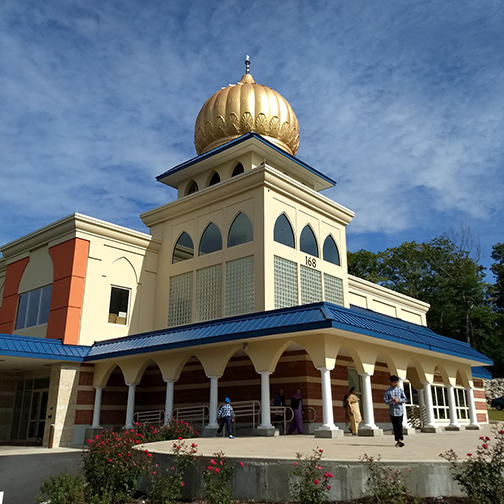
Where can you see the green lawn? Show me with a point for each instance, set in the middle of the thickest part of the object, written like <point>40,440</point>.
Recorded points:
<point>494,414</point>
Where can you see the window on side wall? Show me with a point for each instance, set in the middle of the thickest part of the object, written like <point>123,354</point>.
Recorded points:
<point>33,307</point>
<point>119,301</point>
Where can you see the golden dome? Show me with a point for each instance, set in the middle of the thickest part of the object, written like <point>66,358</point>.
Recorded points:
<point>242,108</point>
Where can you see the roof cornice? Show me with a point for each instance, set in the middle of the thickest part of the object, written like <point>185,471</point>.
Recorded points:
<point>70,227</point>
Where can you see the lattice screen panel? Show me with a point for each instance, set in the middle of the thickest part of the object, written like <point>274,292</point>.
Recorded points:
<point>286,283</point>
<point>209,292</point>
<point>180,307</point>
<point>311,285</point>
<point>333,288</point>
<point>240,286</point>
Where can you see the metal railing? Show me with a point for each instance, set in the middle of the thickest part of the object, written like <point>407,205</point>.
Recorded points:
<point>155,417</point>
<point>195,414</point>
<point>247,409</point>
<point>281,415</point>
<point>416,415</point>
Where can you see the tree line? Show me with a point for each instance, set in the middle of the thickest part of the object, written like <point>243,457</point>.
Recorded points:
<point>448,276</point>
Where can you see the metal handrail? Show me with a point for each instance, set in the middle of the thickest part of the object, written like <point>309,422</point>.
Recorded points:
<point>246,409</point>
<point>155,417</point>
<point>285,412</point>
<point>195,414</point>
<point>416,415</point>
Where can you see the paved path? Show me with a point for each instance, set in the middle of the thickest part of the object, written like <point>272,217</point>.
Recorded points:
<point>419,447</point>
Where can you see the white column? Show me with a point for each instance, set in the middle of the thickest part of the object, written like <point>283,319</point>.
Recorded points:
<point>214,391</point>
<point>168,411</point>
<point>97,408</point>
<point>405,414</point>
<point>452,407</point>
<point>265,401</point>
<point>367,403</point>
<point>429,406</point>
<point>130,408</point>
<point>327,404</point>
<point>472,409</point>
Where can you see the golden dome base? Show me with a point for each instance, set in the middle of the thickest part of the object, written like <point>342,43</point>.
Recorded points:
<point>222,141</point>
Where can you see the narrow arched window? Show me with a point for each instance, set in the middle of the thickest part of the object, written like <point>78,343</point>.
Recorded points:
<point>184,248</point>
<point>211,240</point>
<point>214,180</point>
<point>283,231</point>
<point>330,251</point>
<point>240,231</point>
<point>192,188</point>
<point>237,170</point>
<point>308,242</point>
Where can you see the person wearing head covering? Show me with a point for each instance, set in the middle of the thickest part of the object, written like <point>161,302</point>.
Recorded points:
<point>225,415</point>
<point>354,414</point>
<point>297,408</point>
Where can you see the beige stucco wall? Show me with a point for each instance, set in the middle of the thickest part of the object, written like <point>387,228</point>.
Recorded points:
<point>379,299</point>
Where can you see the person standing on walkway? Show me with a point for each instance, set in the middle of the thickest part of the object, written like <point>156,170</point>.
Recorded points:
<point>395,398</point>
<point>225,415</point>
<point>297,408</point>
<point>354,414</point>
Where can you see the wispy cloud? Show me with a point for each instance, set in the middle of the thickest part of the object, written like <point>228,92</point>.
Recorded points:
<point>400,102</point>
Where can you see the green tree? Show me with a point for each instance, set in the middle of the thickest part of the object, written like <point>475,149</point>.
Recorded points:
<point>497,269</point>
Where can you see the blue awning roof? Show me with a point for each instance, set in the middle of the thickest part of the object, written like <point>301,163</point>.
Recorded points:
<point>287,320</point>
<point>40,348</point>
<point>295,319</point>
<point>481,372</point>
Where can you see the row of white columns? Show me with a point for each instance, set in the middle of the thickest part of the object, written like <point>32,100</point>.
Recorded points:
<point>368,423</point>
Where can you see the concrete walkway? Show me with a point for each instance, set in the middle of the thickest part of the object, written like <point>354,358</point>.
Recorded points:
<point>419,447</point>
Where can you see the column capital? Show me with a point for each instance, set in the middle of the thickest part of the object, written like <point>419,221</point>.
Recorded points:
<point>322,369</point>
<point>214,377</point>
<point>171,380</point>
<point>365,374</point>
<point>264,372</point>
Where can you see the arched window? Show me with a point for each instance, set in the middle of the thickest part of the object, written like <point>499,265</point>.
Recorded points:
<point>214,180</point>
<point>237,170</point>
<point>211,240</point>
<point>283,231</point>
<point>184,248</point>
<point>330,251</point>
<point>307,242</point>
<point>192,188</point>
<point>240,231</point>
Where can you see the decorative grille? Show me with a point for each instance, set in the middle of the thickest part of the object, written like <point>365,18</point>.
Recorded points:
<point>180,307</point>
<point>333,288</point>
<point>240,286</point>
<point>209,292</point>
<point>286,283</point>
<point>311,285</point>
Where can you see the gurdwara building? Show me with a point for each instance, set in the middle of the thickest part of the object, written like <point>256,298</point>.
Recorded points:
<point>237,288</point>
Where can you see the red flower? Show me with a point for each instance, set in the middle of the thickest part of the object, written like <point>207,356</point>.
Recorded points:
<point>241,465</point>
<point>328,487</point>
<point>149,454</point>
<point>217,470</point>
<point>487,439</point>
<point>321,451</point>
<point>89,441</point>
<point>296,463</point>
<point>501,431</point>
<point>220,462</point>
<point>469,454</point>
<point>110,460</point>
<point>182,483</point>
<point>193,445</point>
<point>484,445</point>
<point>210,468</point>
<point>180,437</point>
<point>316,481</point>
<point>482,438</point>
<point>212,461</point>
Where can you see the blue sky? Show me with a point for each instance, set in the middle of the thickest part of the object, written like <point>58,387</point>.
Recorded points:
<point>401,102</point>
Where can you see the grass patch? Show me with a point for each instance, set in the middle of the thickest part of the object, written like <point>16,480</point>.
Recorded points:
<point>494,414</point>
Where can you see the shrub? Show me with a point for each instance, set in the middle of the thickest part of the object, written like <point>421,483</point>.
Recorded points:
<point>64,489</point>
<point>311,482</point>
<point>112,466</point>
<point>166,486</point>
<point>385,484</point>
<point>217,480</point>
<point>481,474</point>
<point>176,429</point>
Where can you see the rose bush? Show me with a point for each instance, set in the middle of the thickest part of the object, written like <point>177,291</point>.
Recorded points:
<point>217,480</point>
<point>310,483</point>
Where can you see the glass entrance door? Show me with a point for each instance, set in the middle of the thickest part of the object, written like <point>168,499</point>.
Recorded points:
<point>30,411</point>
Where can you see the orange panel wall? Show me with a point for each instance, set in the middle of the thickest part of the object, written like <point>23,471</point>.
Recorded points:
<point>70,263</point>
<point>13,276</point>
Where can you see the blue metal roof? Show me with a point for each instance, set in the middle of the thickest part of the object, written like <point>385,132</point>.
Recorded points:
<point>40,348</point>
<point>237,141</point>
<point>481,372</point>
<point>286,320</point>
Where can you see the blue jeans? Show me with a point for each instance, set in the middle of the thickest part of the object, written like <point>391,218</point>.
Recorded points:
<point>225,420</point>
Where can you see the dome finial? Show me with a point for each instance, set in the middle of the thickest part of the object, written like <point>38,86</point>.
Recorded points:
<point>247,64</point>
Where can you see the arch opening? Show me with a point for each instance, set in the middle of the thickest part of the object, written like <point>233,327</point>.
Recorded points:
<point>308,242</point>
<point>211,240</point>
<point>184,248</point>
<point>241,231</point>
<point>283,232</point>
